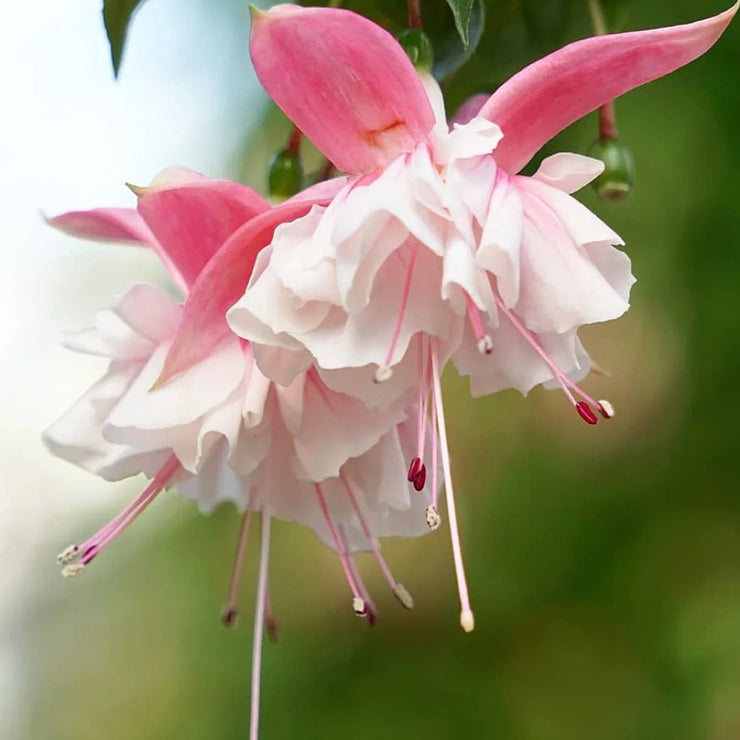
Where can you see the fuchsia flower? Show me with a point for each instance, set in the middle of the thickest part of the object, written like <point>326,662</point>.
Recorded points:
<point>436,247</point>
<point>220,430</point>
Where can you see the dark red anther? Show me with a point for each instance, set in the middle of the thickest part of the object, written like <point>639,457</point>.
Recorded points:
<point>420,478</point>
<point>586,413</point>
<point>605,409</point>
<point>89,554</point>
<point>414,469</point>
<point>273,631</point>
<point>371,616</point>
<point>229,616</point>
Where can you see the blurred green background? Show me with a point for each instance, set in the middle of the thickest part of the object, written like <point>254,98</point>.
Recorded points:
<point>603,563</point>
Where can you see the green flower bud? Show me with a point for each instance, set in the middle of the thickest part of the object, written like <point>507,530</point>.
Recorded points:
<point>285,174</point>
<point>616,181</point>
<point>418,48</point>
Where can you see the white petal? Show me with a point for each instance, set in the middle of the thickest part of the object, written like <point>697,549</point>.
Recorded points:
<point>568,172</point>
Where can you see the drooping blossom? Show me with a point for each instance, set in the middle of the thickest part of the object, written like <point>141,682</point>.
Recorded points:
<point>436,247</point>
<point>220,430</point>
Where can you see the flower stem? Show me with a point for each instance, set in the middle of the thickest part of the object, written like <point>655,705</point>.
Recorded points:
<point>607,119</point>
<point>597,17</point>
<point>415,14</point>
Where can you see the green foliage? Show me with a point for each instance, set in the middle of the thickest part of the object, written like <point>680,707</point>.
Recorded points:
<point>117,17</point>
<point>461,10</point>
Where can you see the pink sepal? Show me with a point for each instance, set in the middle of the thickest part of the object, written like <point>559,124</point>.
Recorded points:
<point>222,282</point>
<point>344,81</point>
<point>191,220</point>
<point>550,94</point>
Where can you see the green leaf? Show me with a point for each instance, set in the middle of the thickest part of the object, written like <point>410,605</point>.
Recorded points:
<point>450,53</point>
<point>461,10</point>
<point>117,16</point>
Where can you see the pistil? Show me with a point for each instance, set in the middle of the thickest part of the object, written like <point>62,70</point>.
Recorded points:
<point>466,613</point>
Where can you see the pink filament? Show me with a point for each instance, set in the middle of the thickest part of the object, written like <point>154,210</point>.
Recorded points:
<point>563,380</point>
<point>337,544</point>
<point>104,536</point>
<point>404,302</point>
<point>236,573</point>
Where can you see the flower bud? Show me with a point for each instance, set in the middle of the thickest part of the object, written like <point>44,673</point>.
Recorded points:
<point>418,48</point>
<point>285,174</point>
<point>615,182</point>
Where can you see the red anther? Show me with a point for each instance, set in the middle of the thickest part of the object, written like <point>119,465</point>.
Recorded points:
<point>420,478</point>
<point>273,631</point>
<point>89,554</point>
<point>229,616</point>
<point>605,409</point>
<point>371,616</point>
<point>414,469</point>
<point>586,413</point>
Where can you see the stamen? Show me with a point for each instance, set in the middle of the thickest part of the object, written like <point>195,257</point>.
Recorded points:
<point>485,344</point>
<point>398,589</point>
<point>433,518</point>
<point>271,625</point>
<point>605,409</point>
<point>69,554</point>
<point>358,605</point>
<point>349,575</point>
<point>584,408</point>
<point>402,310</point>
<point>104,536</point>
<point>586,413</point>
<point>370,612</point>
<point>420,478</point>
<point>423,399</point>
<point>382,374</point>
<point>414,469</point>
<point>466,614</point>
<point>403,596</point>
<point>230,613</point>
<point>259,620</point>
<point>72,570</point>
<point>435,467</point>
<point>476,320</point>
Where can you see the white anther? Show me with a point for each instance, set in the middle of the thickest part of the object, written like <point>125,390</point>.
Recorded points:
<point>69,571</point>
<point>485,345</point>
<point>467,622</point>
<point>433,518</point>
<point>67,555</point>
<point>406,599</point>
<point>359,606</point>
<point>382,374</point>
<point>607,408</point>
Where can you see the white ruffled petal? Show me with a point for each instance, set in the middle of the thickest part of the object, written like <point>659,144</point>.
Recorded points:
<point>568,172</point>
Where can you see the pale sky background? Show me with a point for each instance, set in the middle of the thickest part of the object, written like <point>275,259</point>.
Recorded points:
<point>69,138</point>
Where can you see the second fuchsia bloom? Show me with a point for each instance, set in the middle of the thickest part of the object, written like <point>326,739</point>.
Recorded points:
<point>436,247</point>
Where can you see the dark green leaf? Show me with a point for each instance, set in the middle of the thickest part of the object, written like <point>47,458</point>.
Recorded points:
<point>449,51</point>
<point>461,9</point>
<point>117,16</point>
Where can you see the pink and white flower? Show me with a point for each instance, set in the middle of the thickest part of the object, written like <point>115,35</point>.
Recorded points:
<point>220,430</point>
<point>436,247</point>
